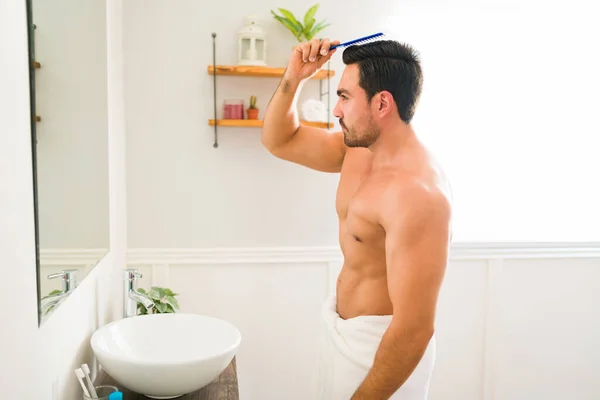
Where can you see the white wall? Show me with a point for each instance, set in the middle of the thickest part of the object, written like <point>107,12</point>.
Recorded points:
<point>515,321</point>
<point>506,110</point>
<point>182,192</point>
<point>38,363</point>
<point>17,242</point>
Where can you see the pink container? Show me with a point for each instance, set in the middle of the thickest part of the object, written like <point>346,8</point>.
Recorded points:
<point>233,109</point>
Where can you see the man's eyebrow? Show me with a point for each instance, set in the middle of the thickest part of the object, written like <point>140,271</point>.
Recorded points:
<point>342,91</point>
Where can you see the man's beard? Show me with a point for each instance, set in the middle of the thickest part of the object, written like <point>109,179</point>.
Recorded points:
<point>360,137</point>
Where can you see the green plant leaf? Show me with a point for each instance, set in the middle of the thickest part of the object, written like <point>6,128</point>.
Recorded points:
<point>309,17</point>
<point>290,17</point>
<point>55,291</point>
<point>320,26</point>
<point>141,309</point>
<point>289,25</point>
<point>162,308</point>
<point>155,293</point>
<point>172,301</point>
<point>308,27</point>
<point>163,299</point>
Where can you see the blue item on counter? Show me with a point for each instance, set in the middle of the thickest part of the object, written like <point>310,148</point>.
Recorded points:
<point>115,396</point>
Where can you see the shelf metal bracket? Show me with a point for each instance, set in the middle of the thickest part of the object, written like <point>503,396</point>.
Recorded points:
<point>321,93</point>
<point>214,36</point>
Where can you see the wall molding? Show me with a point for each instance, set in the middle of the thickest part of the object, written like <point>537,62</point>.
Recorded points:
<point>71,256</point>
<point>313,254</point>
<point>524,250</point>
<point>332,254</point>
<point>234,255</point>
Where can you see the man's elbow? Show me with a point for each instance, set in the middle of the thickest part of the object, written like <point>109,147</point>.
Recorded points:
<point>264,139</point>
<point>276,142</point>
<point>267,139</point>
<point>272,146</point>
<point>413,331</point>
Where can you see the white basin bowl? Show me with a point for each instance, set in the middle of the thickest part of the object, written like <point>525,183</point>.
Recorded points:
<point>164,356</point>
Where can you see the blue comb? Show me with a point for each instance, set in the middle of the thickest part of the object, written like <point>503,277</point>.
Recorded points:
<point>359,40</point>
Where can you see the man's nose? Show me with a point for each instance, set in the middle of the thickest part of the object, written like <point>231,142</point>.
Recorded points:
<point>337,112</point>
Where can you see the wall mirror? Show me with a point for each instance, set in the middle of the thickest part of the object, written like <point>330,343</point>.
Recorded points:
<point>68,83</point>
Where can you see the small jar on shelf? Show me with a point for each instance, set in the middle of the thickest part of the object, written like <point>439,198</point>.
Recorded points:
<point>233,109</point>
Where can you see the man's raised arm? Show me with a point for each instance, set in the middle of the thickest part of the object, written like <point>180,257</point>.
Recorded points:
<point>282,133</point>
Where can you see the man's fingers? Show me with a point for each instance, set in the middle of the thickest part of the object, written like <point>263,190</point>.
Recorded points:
<point>305,51</point>
<point>314,50</point>
<point>325,47</point>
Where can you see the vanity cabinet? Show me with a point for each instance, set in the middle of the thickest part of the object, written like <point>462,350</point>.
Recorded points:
<point>225,387</point>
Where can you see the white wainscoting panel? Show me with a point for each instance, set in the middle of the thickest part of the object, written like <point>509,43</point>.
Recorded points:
<point>514,322</point>
<point>548,330</point>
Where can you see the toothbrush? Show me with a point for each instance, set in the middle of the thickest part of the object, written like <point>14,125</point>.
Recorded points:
<point>80,378</point>
<point>86,371</point>
<point>359,40</point>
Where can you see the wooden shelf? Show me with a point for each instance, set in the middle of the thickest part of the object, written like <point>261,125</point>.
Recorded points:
<point>257,123</point>
<point>264,72</point>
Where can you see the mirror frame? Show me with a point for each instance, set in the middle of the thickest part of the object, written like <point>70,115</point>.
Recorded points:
<point>32,114</point>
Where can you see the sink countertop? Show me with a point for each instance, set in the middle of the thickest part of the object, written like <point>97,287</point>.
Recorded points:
<point>225,387</point>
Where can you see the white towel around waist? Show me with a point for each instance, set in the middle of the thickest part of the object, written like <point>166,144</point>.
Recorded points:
<point>348,348</point>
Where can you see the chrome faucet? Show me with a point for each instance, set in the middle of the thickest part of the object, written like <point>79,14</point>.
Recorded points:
<point>69,283</point>
<point>131,296</point>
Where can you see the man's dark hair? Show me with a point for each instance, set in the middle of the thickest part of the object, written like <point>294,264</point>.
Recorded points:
<point>391,66</point>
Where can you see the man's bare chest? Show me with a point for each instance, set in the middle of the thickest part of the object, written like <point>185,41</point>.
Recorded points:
<point>357,205</point>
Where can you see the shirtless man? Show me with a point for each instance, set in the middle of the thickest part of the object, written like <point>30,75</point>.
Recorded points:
<point>393,203</point>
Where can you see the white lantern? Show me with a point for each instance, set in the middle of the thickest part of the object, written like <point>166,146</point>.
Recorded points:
<point>252,45</point>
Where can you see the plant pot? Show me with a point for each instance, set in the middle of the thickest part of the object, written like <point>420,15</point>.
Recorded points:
<point>252,113</point>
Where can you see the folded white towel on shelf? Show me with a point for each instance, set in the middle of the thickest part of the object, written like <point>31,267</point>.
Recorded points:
<point>348,348</point>
<point>314,111</point>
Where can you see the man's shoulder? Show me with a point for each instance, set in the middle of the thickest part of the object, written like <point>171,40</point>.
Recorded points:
<point>413,197</point>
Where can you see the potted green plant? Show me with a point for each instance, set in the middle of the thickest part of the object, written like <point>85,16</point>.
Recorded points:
<point>252,110</point>
<point>302,31</point>
<point>163,298</point>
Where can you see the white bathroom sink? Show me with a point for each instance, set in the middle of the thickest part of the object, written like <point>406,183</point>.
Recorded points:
<point>164,356</point>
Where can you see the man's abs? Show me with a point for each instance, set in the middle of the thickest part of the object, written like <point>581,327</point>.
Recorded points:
<point>357,295</point>
<point>362,283</point>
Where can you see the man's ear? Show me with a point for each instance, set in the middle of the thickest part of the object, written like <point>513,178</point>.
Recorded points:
<point>385,103</point>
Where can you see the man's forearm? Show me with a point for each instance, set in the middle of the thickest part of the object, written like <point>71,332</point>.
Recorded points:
<point>281,118</point>
<point>399,352</point>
